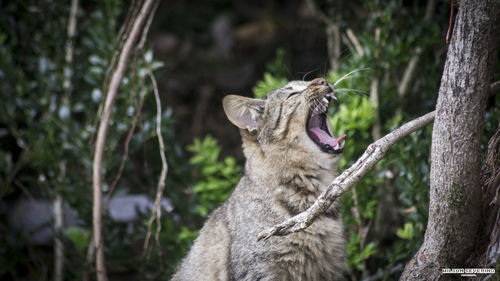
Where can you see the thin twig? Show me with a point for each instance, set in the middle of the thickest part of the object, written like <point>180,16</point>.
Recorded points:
<point>136,117</point>
<point>123,34</point>
<point>111,93</point>
<point>58,202</point>
<point>132,13</point>
<point>354,41</point>
<point>374,96</point>
<point>373,154</point>
<point>145,31</point>
<point>156,212</point>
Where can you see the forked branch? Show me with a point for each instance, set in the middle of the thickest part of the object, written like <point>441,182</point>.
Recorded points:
<point>373,154</point>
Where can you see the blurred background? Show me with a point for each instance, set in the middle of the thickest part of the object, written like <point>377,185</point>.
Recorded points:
<point>392,52</point>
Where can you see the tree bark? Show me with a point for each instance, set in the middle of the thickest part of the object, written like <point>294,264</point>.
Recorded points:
<point>455,191</point>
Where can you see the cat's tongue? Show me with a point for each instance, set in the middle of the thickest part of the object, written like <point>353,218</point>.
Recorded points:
<point>323,137</point>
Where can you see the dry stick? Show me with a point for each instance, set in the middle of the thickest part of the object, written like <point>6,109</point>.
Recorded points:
<point>126,149</point>
<point>373,154</point>
<point>156,212</point>
<point>355,42</point>
<point>112,91</point>
<point>132,13</point>
<point>374,85</point>
<point>123,34</point>
<point>58,227</point>
<point>138,107</point>
<point>142,41</point>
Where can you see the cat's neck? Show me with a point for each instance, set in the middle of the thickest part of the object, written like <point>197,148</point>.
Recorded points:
<point>295,181</point>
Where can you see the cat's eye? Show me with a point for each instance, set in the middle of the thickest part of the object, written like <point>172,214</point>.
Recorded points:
<point>292,94</point>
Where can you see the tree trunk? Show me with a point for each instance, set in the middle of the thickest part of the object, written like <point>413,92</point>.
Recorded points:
<point>455,191</point>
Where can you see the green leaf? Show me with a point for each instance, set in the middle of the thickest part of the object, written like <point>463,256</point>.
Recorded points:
<point>407,232</point>
<point>79,237</point>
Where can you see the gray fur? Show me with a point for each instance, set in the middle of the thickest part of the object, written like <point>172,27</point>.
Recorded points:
<point>284,174</point>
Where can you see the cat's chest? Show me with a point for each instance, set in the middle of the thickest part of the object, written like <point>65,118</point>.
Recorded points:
<point>307,254</point>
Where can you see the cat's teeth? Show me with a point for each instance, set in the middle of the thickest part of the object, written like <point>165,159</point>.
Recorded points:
<point>337,146</point>
<point>317,109</point>
<point>325,100</point>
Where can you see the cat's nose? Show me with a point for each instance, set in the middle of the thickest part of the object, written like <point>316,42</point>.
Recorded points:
<point>320,81</point>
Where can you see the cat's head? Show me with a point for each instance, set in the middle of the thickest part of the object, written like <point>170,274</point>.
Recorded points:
<point>290,122</point>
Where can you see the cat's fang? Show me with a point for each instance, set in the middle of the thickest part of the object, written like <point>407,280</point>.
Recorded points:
<point>331,96</point>
<point>325,100</point>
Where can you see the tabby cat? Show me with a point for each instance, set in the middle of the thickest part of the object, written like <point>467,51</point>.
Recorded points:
<point>291,158</point>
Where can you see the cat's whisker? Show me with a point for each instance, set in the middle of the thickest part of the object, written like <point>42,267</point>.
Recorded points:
<point>348,91</point>
<point>307,73</point>
<point>348,75</point>
<point>313,105</point>
<point>318,106</point>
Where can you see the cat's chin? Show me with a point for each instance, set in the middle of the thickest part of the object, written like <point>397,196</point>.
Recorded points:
<point>318,128</point>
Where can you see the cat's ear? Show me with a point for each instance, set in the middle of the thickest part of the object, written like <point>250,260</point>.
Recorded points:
<point>244,112</point>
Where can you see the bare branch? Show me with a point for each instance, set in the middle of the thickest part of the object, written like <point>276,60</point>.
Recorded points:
<point>58,200</point>
<point>373,154</point>
<point>374,97</point>
<point>137,115</point>
<point>354,40</point>
<point>111,93</point>
<point>58,244</point>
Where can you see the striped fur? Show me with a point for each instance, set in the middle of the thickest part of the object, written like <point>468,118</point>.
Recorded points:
<point>285,172</point>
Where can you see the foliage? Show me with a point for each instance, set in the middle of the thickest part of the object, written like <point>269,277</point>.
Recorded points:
<point>353,115</point>
<point>355,256</point>
<point>79,237</point>
<point>48,132</point>
<point>407,232</point>
<point>218,178</point>
<point>268,84</point>
<point>274,78</point>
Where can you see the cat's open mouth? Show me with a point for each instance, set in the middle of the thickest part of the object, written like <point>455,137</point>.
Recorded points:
<point>318,127</point>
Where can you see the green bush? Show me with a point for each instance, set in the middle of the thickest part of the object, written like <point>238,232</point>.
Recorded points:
<point>218,178</point>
